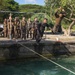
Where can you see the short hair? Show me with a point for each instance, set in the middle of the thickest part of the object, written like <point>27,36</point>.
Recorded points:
<point>45,19</point>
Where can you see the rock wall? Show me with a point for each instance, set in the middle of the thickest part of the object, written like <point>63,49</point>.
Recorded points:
<point>17,50</point>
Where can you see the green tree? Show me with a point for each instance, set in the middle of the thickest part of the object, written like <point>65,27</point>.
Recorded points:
<point>7,5</point>
<point>52,5</point>
<point>68,5</point>
<point>40,17</point>
<point>31,8</point>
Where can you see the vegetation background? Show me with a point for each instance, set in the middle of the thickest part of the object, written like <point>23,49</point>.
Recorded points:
<point>31,11</point>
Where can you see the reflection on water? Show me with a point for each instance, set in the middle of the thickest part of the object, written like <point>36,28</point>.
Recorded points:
<point>41,67</point>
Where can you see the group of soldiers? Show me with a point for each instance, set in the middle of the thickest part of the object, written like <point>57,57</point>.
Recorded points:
<point>31,29</point>
<point>23,29</point>
<point>16,28</point>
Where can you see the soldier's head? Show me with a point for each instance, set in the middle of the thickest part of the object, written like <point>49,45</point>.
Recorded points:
<point>45,20</point>
<point>10,18</point>
<point>16,19</point>
<point>23,18</point>
<point>63,12</point>
<point>35,19</point>
<point>5,19</point>
<point>29,19</point>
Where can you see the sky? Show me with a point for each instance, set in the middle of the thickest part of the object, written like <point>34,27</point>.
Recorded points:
<point>39,2</point>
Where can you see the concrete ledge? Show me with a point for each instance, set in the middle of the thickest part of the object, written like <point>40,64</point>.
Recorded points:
<point>12,49</point>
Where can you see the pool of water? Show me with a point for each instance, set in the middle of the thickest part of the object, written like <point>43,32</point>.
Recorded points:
<point>38,67</point>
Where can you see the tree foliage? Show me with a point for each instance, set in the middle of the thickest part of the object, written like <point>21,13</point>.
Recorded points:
<point>40,17</point>
<point>68,5</point>
<point>7,5</point>
<point>10,5</point>
<point>32,8</point>
<point>52,5</point>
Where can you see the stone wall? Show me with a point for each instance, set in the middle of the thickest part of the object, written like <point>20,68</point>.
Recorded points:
<point>17,50</point>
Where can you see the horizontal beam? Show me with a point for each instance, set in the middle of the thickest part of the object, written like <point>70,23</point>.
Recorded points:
<point>20,12</point>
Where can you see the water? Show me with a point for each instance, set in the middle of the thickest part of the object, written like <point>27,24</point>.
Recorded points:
<point>37,67</point>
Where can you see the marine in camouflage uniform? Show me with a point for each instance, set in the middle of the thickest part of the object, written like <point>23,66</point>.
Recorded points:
<point>15,26</point>
<point>23,28</point>
<point>17,29</point>
<point>60,14</point>
<point>35,24</point>
<point>9,27</point>
<point>29,26</point>
<point>5,27</point>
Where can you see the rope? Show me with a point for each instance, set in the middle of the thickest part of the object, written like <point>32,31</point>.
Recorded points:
<point>48,59</point>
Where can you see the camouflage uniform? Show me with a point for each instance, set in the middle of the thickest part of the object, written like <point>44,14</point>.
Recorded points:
<point>10,28</point>
<point>5,28</point>
<point>23,28</point>
<point>35,24</point>
<point>17,29</point>
<point>29,26</point>
<point>59,16</point>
